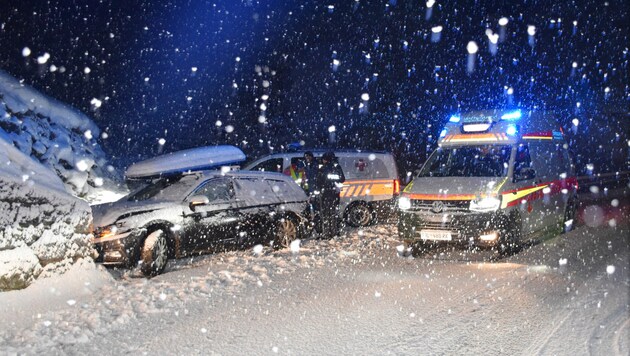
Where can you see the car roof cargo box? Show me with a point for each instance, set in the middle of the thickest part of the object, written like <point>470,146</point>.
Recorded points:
<point>179,162</point>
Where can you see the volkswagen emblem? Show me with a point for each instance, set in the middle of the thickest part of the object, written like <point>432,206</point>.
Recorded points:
<point>437,206</point>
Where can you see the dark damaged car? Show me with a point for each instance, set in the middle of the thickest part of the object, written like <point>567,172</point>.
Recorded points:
<point>196,213</point>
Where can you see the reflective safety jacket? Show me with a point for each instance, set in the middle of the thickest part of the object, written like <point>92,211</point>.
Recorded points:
<point>329,179</point>
<point>296,174</point>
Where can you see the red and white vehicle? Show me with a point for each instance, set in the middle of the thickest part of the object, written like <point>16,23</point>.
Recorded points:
<point>496,179</point>
<point>371,180</point>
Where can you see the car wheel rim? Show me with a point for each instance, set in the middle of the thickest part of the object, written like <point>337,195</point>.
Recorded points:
<point>287,232</point>
<point>360,215</point>
<point>160,252</point>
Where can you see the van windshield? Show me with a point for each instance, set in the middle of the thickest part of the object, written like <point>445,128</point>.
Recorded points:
<point>468,161</point>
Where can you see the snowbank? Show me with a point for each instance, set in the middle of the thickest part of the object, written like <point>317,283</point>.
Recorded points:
<point>42,227</point>
<point>47,157</point>
<point>57,136</point>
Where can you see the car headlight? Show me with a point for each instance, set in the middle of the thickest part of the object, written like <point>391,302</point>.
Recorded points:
<point>404,203</point>
<point>485,204</point>
<point>106,231</point>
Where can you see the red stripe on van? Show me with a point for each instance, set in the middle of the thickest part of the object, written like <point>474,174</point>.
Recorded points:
<point>555,187</point>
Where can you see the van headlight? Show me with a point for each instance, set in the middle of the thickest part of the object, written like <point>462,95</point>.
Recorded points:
<point>404,203</point>
<point>485,204</point>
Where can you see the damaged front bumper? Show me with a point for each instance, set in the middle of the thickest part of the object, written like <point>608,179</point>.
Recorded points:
<point>117,249</point>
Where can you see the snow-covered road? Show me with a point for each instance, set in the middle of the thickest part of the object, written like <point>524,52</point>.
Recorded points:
<point>353,295</point>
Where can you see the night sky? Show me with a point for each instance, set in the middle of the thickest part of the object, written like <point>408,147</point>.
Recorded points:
<point>176,69</point>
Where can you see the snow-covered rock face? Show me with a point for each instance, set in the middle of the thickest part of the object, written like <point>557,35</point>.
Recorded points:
<point>48,157</point>
<point>56,135</point>
<point>41,230</point>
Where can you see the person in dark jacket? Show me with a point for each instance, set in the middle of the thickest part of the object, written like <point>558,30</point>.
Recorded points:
<point>309,168</point>
<point>329,181</point>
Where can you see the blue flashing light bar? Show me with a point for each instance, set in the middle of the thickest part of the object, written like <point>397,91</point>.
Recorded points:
<point>514,115</point>
<point>443,133</point>
<point>511,130</point>
<point>454,119</point>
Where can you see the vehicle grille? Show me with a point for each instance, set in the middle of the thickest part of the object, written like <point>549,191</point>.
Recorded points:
<point>450,206</point>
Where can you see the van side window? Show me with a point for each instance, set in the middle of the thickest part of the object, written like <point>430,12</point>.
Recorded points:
<point>523,168</point>
<point>565,161</point>
<point>549,161</point>
<point>270,165</point>
<point>297,161</point>
<point>363,167</point>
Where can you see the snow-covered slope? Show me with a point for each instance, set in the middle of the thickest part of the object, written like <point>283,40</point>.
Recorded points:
<point>42,227</point>
<point>58,136</point>
<point>48,158</point>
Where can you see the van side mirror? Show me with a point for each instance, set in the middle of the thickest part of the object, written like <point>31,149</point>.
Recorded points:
<point>197,200</point>
<point>524,174</point>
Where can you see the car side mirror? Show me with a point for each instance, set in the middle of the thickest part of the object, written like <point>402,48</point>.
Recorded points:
<point>197,200</point>
<point>524,174</point>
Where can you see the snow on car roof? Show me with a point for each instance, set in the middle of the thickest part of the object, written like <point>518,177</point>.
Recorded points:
<point>194,159</point>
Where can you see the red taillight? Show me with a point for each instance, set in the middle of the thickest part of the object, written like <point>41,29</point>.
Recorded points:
<point>396,187</point>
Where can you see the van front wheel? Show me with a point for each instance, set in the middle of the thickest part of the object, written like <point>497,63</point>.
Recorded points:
<point>569,215</point>
<point>359,215</point>
<point>511,234</point>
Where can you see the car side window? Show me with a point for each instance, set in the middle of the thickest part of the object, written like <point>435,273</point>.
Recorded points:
<point>270,165</point>
<point>254,191</point>
<point>216,189</point>
<point>280,188</point>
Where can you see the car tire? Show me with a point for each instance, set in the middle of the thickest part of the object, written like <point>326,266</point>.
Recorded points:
<point>359,215</point>
<point>285,232</point>
<point>511,235</point>
<point>570,213</point>
<point>154,254</point>
<point>415,248</point>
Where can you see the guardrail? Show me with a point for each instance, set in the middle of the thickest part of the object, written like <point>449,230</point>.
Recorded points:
<point>603,180</point>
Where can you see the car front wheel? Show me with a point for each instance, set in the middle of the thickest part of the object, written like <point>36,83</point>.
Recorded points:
<point>154,254</point>
<point>286,231</point>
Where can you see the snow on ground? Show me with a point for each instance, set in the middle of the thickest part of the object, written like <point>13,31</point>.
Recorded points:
<point>353,294</point>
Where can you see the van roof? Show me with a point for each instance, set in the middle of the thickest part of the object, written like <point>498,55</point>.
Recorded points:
<point>320,151</point>
<point>500,126</point>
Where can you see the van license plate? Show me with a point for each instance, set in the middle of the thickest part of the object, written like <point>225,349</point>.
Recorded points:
<point>435,235</point>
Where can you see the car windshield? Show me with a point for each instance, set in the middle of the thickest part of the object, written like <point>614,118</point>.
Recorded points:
<point>468,161</point>
<point>174,188</point>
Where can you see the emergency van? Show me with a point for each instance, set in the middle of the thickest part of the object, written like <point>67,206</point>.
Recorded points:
<point>370,187</point>
<point>496,179</point>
